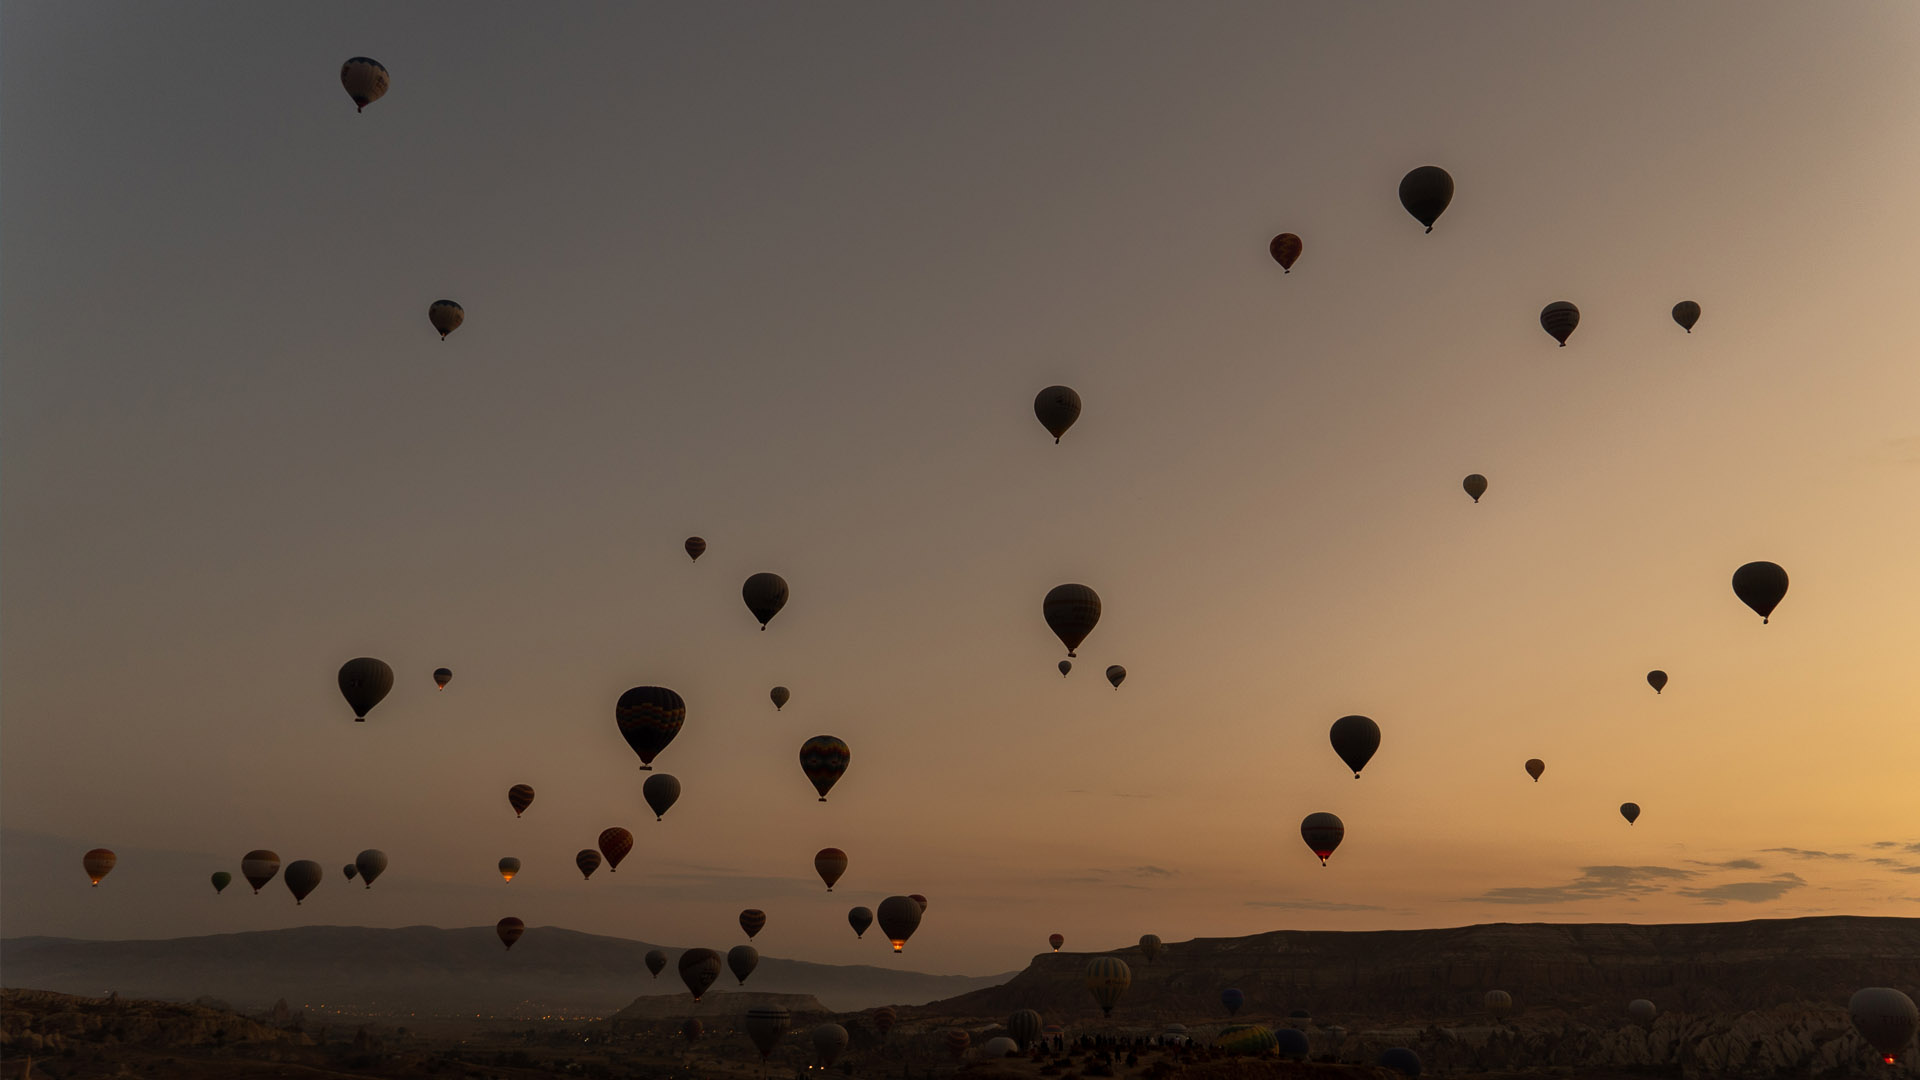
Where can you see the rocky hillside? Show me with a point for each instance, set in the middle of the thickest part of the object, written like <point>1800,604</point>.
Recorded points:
<point>718,1008</point>
<point>41,1023</point>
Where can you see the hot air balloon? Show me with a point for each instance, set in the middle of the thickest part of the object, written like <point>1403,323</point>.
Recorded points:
<point>1232,999</point>
<point>1285,248</point>
<point>1642,1010</point>
<point>780,695</point>
<point>1246,1040</point>
<point>1024,1026</point>
<point>884,1018</point>
<point>696,547</point>
<point>1558,319</point>
<point>918,899</point>
<point>1057,407</point>
<point>509,930</point>
<point>258,867</point>
<point>1116,675</point>
<point>1322,832</point>
<point>830,863</point>
<point>615,842</point>
<point>98,863</point>
<point>829,1042</point>
<point>1150,946</point>
<point>1355,738</point>
<point>349,871</point>
<point>365,79</point>
<point>649,717</point>
<point>1886,1018</point>
<point>1657,680</point>
<point>1065,666</point>
<point>1401,1060</point>
<point>661,791</point>
<point>302,877</point>
<point>656,961</point>
<point>698,969</point>
<point>753,920</point>
<point>588,860</point>
<point>364,681</point>
<point>1499,1004</point>
<point>957,1042</point>
<point>1056,940</point>
<point>1474,485</point>
<point>1686,313</point>
<point>998,1047</point>
<point>446,316</point>
<point>1290,1043</point>
<point>508,867</point>
<point>371,863</point>
<point>520,796</point>
<point>765,595</point>
<point>692,1029</point>
<point>1107,978</point>
<point>766,1026</point>
<point>1760,586</point>
<point>823,758</point>
<point>899,918</point>
<point>1425,192</point>
<point>741,960</point>
<point>221,879</point>
<point>1630,811</point>
<point>1535,767</point>
<point>1072,611</point>
<point>860,918</point>
<point>441,677</point>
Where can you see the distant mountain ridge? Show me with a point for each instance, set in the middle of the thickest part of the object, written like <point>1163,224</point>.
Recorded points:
<point>427,970</point>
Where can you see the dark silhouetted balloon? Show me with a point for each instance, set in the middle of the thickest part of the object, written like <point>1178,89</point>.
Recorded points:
<point>1630,811</point>
<point>520,796</point>
<point>365,80</point>
<point>615,842</point>
<point>1057,407</point>
<point>221,879</point>
<point>766,1026</point>
<point>1355,739</point>
<point>442,676</point>
<point>1116,675</point>
<point>364,681</point>
<point>509,866</point>
<point>1886,1018</point>
<point>1071,611</point>
<point>649,717</point>
<point>780,695</point>
<point>656,961</point>
<point>1056,940</point>
<point>1024,1026</point>
<point>1285,248</point>
<point>741,960</point>
<point>829,1042</point>
<point>918,899</point>
<point>1686,313</point>
<point>1499,1004</point>
<point>1065,667</point>
<point>1657,680</point>
<point>1761,586</point>
<point>349,871</point>
<point>824,759</point>
<point>1150,946</point>
<point>698,969</point>
<point>1246,1040</point>
<point>692,1029</point>
<point>1290,1043</point>
<point>98,863</point>
<point>1322,832</point>
<point>302,877</point>
<point>696,547</point>
<point>446,316</point>
<point>1642,1010</point>
<point>830,863</point>
<point>661,791</point>
<point>588,860</point>
<point>1401,1060</point>
<point>1425,192</point>
<point>509,930</point>
<point>765,595</point>
<point>884,1018</point>
<point>1474,485</point>
<point>753,920</point>
<point>1107,980</point>
<point>259,867</point>
<point>1535,767</point>
<point>899,918</point>
<point>1558,319</point>
<point>1232,999</point>
<point>860,918</point>
<point>371,863</point>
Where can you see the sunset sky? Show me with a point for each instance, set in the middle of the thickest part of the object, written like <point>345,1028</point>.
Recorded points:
<point>788,277</point>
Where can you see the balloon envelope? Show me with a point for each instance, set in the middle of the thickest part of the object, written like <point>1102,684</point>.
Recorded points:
<point>1499,1004</point>
<point>1535,767</point>
<point>752,921</point>
<point>998,1047</point>
<point>884,1018</point>
<point>259,867</point>
<point>1150,946</point>
<point>830,863</point>
<point>656,961</point>
<point>302,877</point>
<point>1107,979</point>
<point>221,879</point>
<point>1056,940</point>
<point>509,929</point>
<point>442,676</point>
<point>829,1042</point>
<point>696,547</point>
<point>588,860</point>
<point>1246,1040</point>
<point>765,595</point>
<point>766,1026</point>
<point>698,969</point>
<point>1474,485</point>
<point>741,960</point>
<point>693,1029</point>
<point>661,791</point>
<point>1057,407</point>
<point>1641,1009</point>
<point>780,695</point>
<point>1285,248</point>
<point>1426,193</point>
<point>1290,1043</point>
<point>508,867</point>
<point>1761,586</point>
<point>1071,611</point>
<point>1686,313</point>
<point>824,759</point>
<point>98,863</point>
<point>1401,1060</point>
<point>1558,319</point>
<point>365,80</point>
<point>614,844</point>
<point>1355,739</point>
<point>860,918</point>
<point>1065,666</point>
<point>364,682</point>
<point>1886,1018</point>
<point>1657,680</point>
<point>1630,811</point>
<point>1116,675</point>
<point>1322,832</point>
<point>899,918</point>
<point>349,871</point>
<point>371,863</point>
<point>649,717</point>
<point>520,796</point>
<point>1232,999</point>
<point>446,316</point>
<point>1024,1026</point>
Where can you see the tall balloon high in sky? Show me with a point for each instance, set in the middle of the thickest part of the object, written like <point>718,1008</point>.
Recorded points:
<point>1071,611</point>
<point>780,695</point>
<point>830,863</point>
<point>1761,586</point>
<point>520,796</point>
<point>1686,313</point>
<point>1475,486</point>
<point>698,969</point>
<point>302,877</point>
<point>441,677</point>
<point>1426,192</point>
<point>1322,832</point>
<point>765,594</point>
<point>696,547</point>
<point>98,863</point>
<point>1116,675</point>
<point>649,717</point>
<point>615,842</point>
<point>509,931</point>
<point>1057,407</point>
<point>824,759</point>
<point>1355,739</point>
<point>366,81</point>
<point>371,863</point>
<point>1285,248</point>
<point>1630,811</point>
<point>1558,319</point>
<point>365,682</point>
<point>1657,679</point>
<point>446,316</point>
<point>1535,767</point>
<point>661,791</point>
<point>899,918</point>
<point>259,867</point>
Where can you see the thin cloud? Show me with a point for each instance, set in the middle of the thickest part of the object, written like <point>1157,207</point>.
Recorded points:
<point>1802,853</point>
<point>1747,892</point>
<point>1730,864</point>
<point>1883,844</point>
<point>1313,905</point>
<point>1594,883</point>
<point>1152,871</point>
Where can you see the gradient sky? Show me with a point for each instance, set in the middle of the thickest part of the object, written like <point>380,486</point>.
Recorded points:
<point>788,277</point>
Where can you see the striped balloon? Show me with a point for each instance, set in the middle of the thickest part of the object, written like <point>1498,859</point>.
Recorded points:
<point>1246,1040</point>
<point>588,860</point>
<point>696,547</point>
<point>614,844</point>
<point>1071,611</point>
<point>753,920</point>
<point>766,1027</point>
<point>957,1042</point>
<point>1024,1026</point>
<point>649,717</point>
<point>258,867</point>
<point>1558,319</point>
<point>824,759</point>
<point>520,796</point>
<point>1107,979</point>
<point>884,1018</point>
<point>830,863</point>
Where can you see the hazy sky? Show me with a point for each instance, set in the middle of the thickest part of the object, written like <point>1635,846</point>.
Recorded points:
<point>788,277</point>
